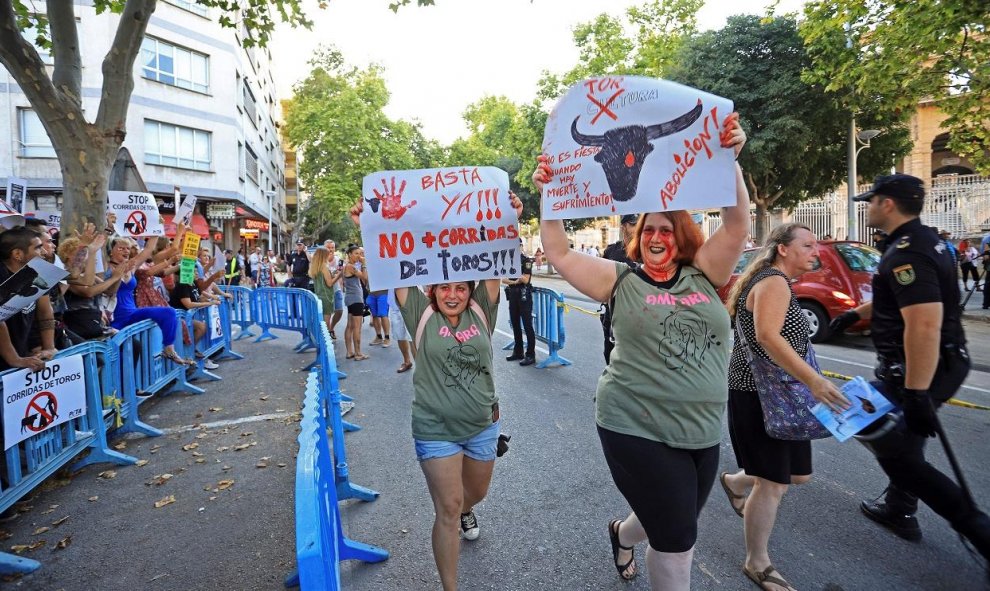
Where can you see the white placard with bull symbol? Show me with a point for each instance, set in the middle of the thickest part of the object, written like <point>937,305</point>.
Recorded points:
<point>438,225</point>
<point>21,290</point>
<point>216,328</point>
<point>137,214</point>
<point>628,144</point>
<point>35,401</point>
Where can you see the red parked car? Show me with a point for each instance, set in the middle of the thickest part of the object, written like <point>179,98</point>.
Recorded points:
<point>840,281</point>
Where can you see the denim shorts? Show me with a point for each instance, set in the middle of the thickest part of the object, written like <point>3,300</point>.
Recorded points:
<point>338,300</point>
<point>481,447</point>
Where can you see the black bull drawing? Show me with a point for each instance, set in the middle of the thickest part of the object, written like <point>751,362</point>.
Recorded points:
<point>624,149</point>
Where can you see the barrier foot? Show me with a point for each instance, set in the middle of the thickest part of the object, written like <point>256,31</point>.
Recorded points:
<point>553,358</point>
<point>314,364</point>
<point>348,490</point>
<point>351,550</point>
<point>292,580</point>
<point>201,374</point>
<point>228,354</point>
<point>11,564</point>
<point>341,375</point>
<point>265,334</point>
<point>136,426</point>
<point>511,345</point>
<point>304,346</point>
<point>104,456</point>
<point>243,334</point>
<point>350,427</point>
<point>346,398</point>
<point>183,385</point>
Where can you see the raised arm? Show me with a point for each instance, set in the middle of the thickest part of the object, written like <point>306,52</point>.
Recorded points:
<point>718,256</point>
<point>592,276</point>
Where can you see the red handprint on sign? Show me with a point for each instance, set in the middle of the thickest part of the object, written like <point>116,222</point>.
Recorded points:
<point>390,201</point>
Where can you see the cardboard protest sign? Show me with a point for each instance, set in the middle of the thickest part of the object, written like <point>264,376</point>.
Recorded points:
<point>52,219</point>
<point>35,401</point>
<point>216,329</point>
<point>10,208</point>
<point>184,211</point>
<point>136,213</point>
<point>20,292</point>
<point>190,245</point>
<point>628,144</point>
<point>219,260</point>
<point>438,225</point>
<point>187,271</point>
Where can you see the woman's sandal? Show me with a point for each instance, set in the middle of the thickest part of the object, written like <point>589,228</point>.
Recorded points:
<point>361,357</point>
<point>174,357</point>
<point>613,537</point>
<point>763,578</point>
<point>351,356</point>
<point>404,368</point>
<point>733,497</point>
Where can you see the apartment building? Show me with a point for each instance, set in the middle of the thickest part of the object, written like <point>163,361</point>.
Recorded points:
<point>202,117</point>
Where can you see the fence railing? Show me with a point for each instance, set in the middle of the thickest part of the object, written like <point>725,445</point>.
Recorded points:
<point>548,324</point>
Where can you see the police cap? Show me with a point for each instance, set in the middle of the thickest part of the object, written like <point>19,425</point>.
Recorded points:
<point>897,186</point>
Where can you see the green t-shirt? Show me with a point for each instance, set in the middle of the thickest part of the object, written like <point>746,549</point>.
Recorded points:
<point>453,382</point>
<point>667,378</point>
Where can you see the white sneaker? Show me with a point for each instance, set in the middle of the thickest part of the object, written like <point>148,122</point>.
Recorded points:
<point>469,526</point>
<point>210,364</point>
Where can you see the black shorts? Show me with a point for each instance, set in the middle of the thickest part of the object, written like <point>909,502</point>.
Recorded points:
<point>756,452</point>
<point>355,309</point>
<point>665,486</point>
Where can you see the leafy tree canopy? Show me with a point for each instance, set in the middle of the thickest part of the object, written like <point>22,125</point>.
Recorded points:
<point>888,55</point>
<point>797,133</point>
<point>336,119</point>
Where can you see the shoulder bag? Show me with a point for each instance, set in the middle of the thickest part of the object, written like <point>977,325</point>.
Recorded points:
<point>786,402</point>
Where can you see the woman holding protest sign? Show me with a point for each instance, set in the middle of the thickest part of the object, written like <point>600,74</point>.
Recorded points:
<point>455,415</point>
<point>659,403</point>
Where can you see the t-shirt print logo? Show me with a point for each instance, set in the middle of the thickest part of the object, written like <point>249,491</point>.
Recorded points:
<point>685,340</point>
<point>462,366</point>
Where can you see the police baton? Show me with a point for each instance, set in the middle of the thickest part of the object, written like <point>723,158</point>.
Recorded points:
<point>969,293</point>
<point>967,495</point>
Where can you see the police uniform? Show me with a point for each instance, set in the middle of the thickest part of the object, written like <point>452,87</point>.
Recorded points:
<point>916,268</point>
<point>520,296</point>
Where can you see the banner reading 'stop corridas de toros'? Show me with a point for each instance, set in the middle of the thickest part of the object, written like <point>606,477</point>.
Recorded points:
<point>137,214</point>
<point>438,225</point>
<point>627,144</point>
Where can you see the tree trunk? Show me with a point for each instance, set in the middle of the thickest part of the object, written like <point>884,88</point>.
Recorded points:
<point>86,160</point>
<point>761,223</point>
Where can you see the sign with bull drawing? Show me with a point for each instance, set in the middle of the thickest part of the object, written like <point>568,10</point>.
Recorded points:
<point>628,144</point>
<point>35,401</point>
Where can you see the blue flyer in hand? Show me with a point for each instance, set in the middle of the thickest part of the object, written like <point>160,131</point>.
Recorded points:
<point>867,404</point>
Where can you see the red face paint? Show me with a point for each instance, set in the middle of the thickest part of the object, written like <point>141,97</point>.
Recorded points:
<point>661,268</point>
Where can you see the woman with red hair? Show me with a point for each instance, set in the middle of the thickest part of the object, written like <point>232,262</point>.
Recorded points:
<point>661,399</point>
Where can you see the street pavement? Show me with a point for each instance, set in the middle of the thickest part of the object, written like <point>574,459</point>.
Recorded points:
<point>543,524</point>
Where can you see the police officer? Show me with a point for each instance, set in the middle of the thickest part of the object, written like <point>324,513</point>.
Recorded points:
<point>519,292</point>
<point>298,263</point>
<point>915,295</point>
<point>616,252</point>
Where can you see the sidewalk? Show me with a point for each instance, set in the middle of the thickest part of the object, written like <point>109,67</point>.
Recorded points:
<point>222,478</point>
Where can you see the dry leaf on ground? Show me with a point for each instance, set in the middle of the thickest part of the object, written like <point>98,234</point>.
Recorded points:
<point>166,501</point>
<point>190,446</point>
<point>40,530</point>
<point>216,408</point>
<point>225,484</point>
<point>140,463</point>
<point>59,522</point>
<point>107,474</point>
<point>63,543</point>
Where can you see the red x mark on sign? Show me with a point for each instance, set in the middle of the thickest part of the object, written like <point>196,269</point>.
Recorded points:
<point>603,109</point>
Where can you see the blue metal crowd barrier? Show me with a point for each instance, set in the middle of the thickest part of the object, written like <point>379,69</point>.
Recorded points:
<point>331,398</point>
<point>320,540</point>
<point>244,311</point>
<point>548,323</point>
<point>31,461</point>
<point>286,308</point>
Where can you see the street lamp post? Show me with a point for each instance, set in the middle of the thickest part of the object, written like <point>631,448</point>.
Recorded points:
<point>271,197</point>
<point>857,143</point>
